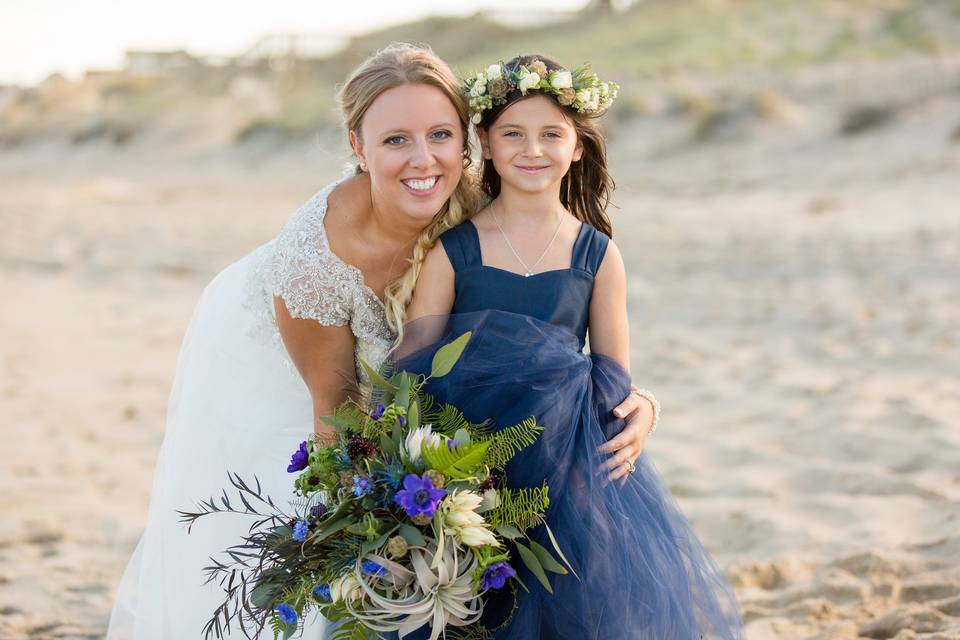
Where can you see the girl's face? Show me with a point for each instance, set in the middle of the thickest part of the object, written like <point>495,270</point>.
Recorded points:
<point>412,146</point>
<point>532,144</point>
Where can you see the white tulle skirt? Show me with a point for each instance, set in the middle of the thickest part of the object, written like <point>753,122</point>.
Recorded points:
<point>236,405</point>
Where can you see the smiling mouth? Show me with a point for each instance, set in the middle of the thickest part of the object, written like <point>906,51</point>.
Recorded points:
<point>531,169</point>
<point>421,185</point>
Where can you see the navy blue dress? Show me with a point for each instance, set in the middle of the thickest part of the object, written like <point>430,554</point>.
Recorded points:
<point>643,574</point>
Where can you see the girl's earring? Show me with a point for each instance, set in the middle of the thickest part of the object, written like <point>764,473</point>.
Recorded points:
<point>363,166</point>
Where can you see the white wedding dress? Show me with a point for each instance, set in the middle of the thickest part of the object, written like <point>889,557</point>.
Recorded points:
<point>238,405</point>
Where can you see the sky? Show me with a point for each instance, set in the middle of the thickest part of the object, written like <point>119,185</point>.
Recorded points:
<point>40,37</point>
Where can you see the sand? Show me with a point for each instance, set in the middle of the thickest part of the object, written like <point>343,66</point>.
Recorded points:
<point>794,298</point>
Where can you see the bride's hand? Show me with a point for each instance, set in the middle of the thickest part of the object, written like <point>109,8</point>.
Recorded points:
<point>627,445</point>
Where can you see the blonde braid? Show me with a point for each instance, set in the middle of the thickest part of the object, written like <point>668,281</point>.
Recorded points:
<point>462,205</point>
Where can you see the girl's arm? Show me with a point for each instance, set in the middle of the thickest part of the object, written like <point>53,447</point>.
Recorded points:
<point>433,296</point>
<point>435,286</point>
<point>324,357</point>
<point>608,325</point>
<point>610,336</point>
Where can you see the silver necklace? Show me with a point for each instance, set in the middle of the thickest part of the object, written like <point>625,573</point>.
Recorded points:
<point>528,270</point>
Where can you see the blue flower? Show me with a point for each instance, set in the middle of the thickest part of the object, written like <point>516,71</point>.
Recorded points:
<point>286,613</point>
<point>402,420</point>
<point>371,568</point>
<point>300,458</point>
<point>300,531</point>
<point>377,413</point>
<point>419,497</point>
<point>495,576</point>
<point>322,592</point>
<point>362,485</point>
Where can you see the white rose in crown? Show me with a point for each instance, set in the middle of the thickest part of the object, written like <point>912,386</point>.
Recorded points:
<point>494,72</point>
<point>527,82</point>
<point>561,80</point>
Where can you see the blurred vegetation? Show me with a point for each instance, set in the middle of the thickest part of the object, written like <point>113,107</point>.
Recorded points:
<point>646,45</point>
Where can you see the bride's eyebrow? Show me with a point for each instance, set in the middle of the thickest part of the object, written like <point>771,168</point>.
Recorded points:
<point>393,132</point>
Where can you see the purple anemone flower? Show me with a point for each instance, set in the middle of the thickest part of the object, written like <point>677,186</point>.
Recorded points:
<point>299,459</point>
<point>495,576</point>
<point>419,497</point>
<point>377,412</point>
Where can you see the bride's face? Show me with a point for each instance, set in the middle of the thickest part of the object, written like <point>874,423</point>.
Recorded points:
<point>412,145</point>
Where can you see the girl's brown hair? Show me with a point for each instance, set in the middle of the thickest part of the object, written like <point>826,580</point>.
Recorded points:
<point>585,190</point>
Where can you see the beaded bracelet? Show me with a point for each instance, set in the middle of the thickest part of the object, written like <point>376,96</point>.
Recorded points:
<point>644,393</point>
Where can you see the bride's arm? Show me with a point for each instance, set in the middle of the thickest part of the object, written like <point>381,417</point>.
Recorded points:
<point>324,356</point>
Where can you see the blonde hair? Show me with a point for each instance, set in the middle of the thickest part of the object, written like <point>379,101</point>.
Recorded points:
<point>396,65</point>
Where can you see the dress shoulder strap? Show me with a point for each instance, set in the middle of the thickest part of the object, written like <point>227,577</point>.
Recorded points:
<point>462,244</point>
<point>589,249</point>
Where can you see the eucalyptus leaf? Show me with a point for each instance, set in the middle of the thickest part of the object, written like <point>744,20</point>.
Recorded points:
<point>333,528</point>
<point>388,445</point>
<point>413,415</point>
<point>262,595</point>
<point>546,560</point>
<point>402,398</point>
<point>412,535</point>
<point>375,377</point>
<point>556,548</point>
<point>530,559</point>
<point>447,356</point>
<point>509,531</point>
<point>462,437</point>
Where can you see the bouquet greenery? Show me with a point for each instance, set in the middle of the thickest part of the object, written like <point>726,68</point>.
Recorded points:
<point>405,520</point>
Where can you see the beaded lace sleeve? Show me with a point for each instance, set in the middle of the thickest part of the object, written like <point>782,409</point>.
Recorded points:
<point>312,281</point>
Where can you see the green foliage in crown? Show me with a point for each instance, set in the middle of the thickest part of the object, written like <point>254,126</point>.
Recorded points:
<point>579,89</point>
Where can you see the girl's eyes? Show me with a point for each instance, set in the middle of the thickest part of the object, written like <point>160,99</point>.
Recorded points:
<point>394,140</point>
<point>548,134</point>
<point>442,134</point>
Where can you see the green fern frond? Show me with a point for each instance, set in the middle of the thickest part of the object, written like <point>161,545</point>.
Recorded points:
<point>456,463</point>
<point>507,442</point>
<point>521,508</point>
<point>353,629</point>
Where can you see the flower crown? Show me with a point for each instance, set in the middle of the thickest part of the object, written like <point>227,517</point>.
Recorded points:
<point>580,89</point>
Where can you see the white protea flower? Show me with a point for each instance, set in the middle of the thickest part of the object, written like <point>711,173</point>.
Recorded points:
<point>459,518</point>
<point>528,81</point>
<point>561,79</point>
<point>442,596</point>
<point>416,439</point>
<point>494,72</point>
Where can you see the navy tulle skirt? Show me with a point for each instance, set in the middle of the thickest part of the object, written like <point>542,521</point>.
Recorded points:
<point>643,572</point>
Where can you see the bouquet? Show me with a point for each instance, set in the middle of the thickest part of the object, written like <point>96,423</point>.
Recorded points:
<point>405,520</point>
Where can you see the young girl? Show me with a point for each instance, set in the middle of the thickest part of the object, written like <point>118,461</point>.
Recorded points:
<point>530,275</point>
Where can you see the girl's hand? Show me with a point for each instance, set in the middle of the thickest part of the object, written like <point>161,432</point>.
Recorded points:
<point>627,445</point>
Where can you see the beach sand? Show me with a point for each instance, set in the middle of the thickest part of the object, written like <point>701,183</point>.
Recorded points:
<point>794,297</point>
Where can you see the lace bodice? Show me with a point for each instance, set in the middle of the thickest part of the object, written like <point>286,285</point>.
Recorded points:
<point>316,284</point>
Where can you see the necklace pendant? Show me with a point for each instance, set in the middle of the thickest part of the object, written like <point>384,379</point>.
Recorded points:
<point>528,274</point>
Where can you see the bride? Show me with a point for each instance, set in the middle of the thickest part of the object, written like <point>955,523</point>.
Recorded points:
<point>275,339</point>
